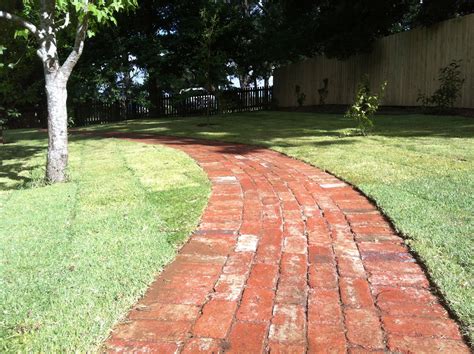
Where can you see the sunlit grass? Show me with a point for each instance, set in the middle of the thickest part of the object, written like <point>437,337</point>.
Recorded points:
<point>419,169</point>
<point>76,256</point>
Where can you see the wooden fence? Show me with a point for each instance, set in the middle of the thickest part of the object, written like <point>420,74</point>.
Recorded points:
<point>408,61</point>
<point>223,102</point>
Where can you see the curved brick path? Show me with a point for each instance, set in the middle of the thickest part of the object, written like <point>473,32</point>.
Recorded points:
<point>286,259</point>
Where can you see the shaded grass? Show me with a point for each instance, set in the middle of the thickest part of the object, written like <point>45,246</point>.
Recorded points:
<point>419,169</point>
<point>76,256</point>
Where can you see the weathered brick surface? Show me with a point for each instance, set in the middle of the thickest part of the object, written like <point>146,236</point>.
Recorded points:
<point>257,305</point>
<point>428,345</point>
<point>326,338</point>
<point>247,337</point>
<point>263,276</point>
<point>286,259</point>
<point>355,292</point>
<point>288,324</point>
<point>202,345</point>
<point>363,328</point>
<point>215,320</point>
<point>131,346</point>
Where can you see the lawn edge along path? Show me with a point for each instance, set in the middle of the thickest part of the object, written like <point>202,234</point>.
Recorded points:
<point>287,258</point>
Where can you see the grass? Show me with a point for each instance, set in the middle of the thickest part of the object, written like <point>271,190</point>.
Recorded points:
<point>74,257</point>
<point>419,169</point>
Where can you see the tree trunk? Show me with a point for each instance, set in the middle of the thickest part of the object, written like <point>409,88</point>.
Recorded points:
<point>56,95</point>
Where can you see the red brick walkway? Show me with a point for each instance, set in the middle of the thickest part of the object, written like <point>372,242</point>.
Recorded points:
<point>286,259</point>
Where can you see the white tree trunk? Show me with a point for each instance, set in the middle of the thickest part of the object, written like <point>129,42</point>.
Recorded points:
<point>56,95</point>
<point>56,77</point>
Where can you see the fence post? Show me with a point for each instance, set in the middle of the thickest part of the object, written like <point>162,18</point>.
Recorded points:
<point>266,95</point>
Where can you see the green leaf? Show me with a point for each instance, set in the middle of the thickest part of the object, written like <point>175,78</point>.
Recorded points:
<point>23,33</point>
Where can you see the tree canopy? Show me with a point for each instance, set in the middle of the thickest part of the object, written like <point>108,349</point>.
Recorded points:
<point>167,45</point>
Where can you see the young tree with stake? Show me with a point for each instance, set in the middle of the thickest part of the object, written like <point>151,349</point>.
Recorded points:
<point>53,16</point>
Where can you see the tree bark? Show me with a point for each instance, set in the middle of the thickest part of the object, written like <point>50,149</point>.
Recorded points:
<point>56,95</point>
<point>56,77</point>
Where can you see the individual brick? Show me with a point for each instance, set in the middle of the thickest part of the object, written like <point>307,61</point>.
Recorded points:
<point>201,345</point>
<point>128,346</point>
<point>279,348</point>
<point>229,287</point>
<point>263,276</point>
<point>322,275</point>
<point>238,263</point>
<point>403,295</point>
<point>295,244</point>
<point>256,305</point>
<point>292,292</point>
<point>355,293</point>
<point>393,278</point>
<point>351,267</point>
<point>420,326</point>
<point>401,309</point>
<point>409,344</point>
<point>151,330</point>
<point>216,319</point>
<point>363,328</point>
<point>165,312</point>
<point>246,243</point>
<point>326,338</point>
<point>247,337</point>
<point>324,307</point>
<point>288,324</point>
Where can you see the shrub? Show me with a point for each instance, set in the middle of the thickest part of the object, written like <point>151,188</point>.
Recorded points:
<point>445,96</point>
<point>365,105</point>
<point>300,96</point>
<point>323,92</point>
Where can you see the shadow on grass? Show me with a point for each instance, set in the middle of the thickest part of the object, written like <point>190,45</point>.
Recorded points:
<point>284,125</point>
<point>16,165</point>
<point>260,129</point>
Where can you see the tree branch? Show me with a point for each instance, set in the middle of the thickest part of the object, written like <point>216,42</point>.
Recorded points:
<point>20,21</point>
<point>76,52</point>
<point>66,22</point>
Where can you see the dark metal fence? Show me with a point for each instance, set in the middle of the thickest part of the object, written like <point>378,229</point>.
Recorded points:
<point>176,105</point>
<point>221,102</point>
<point>99,113</point>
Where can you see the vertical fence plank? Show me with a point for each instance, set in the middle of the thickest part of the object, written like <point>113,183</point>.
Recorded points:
<point>409,61</point>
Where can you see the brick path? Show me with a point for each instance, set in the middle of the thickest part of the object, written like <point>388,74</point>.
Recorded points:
<point>286,259</point>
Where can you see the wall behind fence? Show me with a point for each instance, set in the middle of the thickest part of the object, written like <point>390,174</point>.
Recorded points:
<point>409,61</point>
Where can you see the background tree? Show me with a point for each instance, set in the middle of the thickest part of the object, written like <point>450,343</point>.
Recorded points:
<point>429,12</point>
<point>167,45</point>
<point>44,21</point>
<point>21,80</point>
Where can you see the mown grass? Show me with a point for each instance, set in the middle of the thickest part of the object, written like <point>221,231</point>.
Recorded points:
<point>75,256</point>
<point>419,169</point>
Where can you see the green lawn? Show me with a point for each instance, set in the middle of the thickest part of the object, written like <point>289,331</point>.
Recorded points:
<point>74,257</point>
<point>419,169</point>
